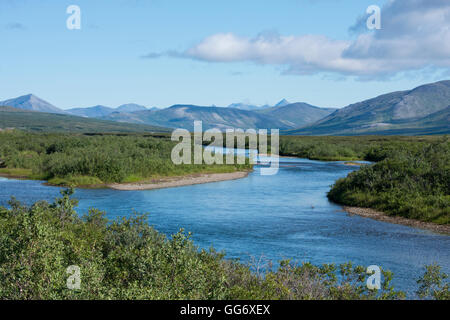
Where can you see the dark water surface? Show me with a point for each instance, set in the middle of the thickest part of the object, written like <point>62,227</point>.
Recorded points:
<point>281,216</point>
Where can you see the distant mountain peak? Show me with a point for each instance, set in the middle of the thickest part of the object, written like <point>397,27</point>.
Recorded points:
<point>282,103</point>
<point>31,102</point>
<point>26,97</point>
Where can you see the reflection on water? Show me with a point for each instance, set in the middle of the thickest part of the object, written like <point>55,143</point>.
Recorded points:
<point>282,216</point>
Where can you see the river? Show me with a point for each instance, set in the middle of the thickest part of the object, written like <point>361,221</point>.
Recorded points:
<point>286,215</point>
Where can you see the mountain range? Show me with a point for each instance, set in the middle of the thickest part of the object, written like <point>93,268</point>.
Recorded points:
<point>183,116</point>
<point>422,110</point>
<point>283,115</point>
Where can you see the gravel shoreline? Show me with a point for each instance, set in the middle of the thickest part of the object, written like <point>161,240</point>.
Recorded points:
<point>178,181</point>
<point>377,215</point>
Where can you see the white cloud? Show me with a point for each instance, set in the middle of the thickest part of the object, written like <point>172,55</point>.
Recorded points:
<point>413,30</point>
<point>415,35</point>
<point>302,54</point>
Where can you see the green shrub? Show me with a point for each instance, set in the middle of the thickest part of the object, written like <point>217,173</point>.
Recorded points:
<point>103,158</point>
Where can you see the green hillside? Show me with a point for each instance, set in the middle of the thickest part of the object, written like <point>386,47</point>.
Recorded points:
<point>423,110</point>
<point>52,122</point>
<point>296,114</point>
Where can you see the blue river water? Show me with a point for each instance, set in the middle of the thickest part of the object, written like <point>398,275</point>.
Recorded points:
<point>286,215</point>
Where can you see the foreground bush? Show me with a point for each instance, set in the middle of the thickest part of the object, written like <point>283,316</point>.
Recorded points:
<point>128,259</point>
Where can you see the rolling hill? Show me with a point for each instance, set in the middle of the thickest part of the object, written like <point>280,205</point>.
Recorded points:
<point>437,123</point>
<point>422,109</point>
<point>91,112</point>
<point>130,107</point>
<point>297,114</point>
<point>52,122</point>
<point>100,111</point>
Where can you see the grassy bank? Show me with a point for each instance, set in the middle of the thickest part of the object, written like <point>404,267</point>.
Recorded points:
<point>128,259</point>
<point>94,160</point>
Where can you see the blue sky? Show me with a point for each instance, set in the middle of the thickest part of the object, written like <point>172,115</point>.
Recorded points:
<point>217,52</point>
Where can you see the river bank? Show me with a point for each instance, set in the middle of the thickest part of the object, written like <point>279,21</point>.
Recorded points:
<point>179,181</point>
<point>160,183</point>
<point>155,183</point>
<point>380,216</point>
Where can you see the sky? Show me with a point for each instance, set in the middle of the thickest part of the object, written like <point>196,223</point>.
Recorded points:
<point>204,52</point>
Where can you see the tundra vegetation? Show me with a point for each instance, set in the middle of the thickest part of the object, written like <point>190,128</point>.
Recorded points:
<point>98,159</point>
<point>128,259</point>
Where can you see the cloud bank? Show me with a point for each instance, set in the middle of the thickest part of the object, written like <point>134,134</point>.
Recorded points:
<point>415,35</point>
